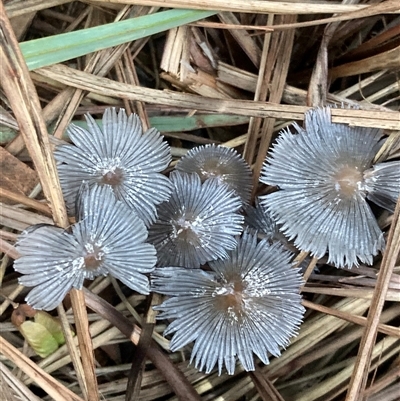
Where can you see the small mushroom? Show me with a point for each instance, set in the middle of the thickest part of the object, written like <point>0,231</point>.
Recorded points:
<point>119,155</point>
<point>224,164</point>
<point>325,174</point>
<point>248,303</point>
<point>108,238</point>
<point>197,224</point>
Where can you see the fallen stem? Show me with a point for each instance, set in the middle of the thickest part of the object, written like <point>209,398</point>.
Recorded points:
<point>175,378</point>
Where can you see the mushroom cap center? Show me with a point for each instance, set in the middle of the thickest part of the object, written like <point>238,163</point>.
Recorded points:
<point>213,168</point>
<point>230,297</point>
<point>209,174</point>
<point>113,177</point>
<point>93,257</point>
<point>185,229</point>
<point>348,180</point>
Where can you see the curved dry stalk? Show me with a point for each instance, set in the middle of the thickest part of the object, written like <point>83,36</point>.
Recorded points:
<point>359,378</point>
<point>178,382</point>
<point>24,101</point>
<point>52,387</point>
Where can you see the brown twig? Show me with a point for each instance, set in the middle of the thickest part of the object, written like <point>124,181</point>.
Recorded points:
<point>25,200</point>
<point>80,79</point>
<point>24,101</point>
<point>178,382</point>
<point>359,378</point>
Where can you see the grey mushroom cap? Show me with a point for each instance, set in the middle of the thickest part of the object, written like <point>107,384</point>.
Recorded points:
<point>119,155</point>
<point>248,304</point>
<point>382,183</point>
<point>109,238</point>
<point>321,201</point>
<point>224,164</point>
<point>197,224</point>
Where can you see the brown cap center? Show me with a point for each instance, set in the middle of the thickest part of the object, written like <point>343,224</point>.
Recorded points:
<point>184,228</point>
<point>348,180</point>
<point>230,297</point>
<point>113,177</point>
<point>93,257</point>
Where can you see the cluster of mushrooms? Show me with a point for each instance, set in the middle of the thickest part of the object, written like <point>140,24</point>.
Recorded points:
<point>194,237</point>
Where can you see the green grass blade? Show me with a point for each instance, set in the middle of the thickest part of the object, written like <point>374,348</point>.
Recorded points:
<point>162,123</point>
<point>58,48</point>
<point>182,123</point>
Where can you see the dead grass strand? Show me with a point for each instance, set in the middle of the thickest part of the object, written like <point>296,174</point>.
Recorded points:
<point>57,391</point>
<point>359,378</point>
<point>24,101</point>
<point>104,86</point>
<point>254,6</point>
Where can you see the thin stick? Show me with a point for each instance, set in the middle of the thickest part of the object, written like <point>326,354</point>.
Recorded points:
<point>18,8</point>
<point>364,293</point>
<point>24,101</point>
<point>52,387</point>
<point>8,249</point>
<point>360,320</point>
<point>253,132</point>
<point>360,374</point>
<point>25,200</point>
<point>254,6</point>
<point>104,86</point>
<point>218,25</point>
<point>310,269</point>
<point>178,382</point>
<point>85,343</point>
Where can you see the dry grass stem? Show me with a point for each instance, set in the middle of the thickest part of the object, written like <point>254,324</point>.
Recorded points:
<point>8,249</point>
<point>362,321</point>
<point>255,6</point>
<point>22,96</point>
<point>25,104</point>
<point>358,381</point>
<point>104,86</point>
<point>86,345</point>
<point>19,219</point>
<point>391,295</point>
<point>57,391</point>
<point>16,8</point>
<point>17,388</point>
<point>24,200</point>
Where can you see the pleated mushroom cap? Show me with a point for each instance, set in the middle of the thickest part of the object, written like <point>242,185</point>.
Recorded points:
<point>198,223</point>
<point>224,164</point>
<point>109,238</point>
<point>119,155</point>
<point>248,304</point>
<point>325,175</point>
